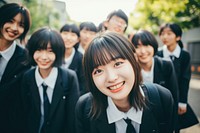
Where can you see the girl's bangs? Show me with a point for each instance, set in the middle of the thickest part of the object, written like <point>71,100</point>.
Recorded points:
<point>103,54</point>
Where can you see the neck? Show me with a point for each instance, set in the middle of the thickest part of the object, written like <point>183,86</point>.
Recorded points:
<point>171,48</point>
<point>122,105</point>
<point>68,52</point>
<point>45,73</point>
<point>146,66</point>
<point>4,44</point>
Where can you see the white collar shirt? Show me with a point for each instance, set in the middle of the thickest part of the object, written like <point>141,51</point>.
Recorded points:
<point>81,49</point>
<point>148,75</point>
<point>68,60</point>
<point>117,117</point>
<point>167,53</point>
<point>6,56</point>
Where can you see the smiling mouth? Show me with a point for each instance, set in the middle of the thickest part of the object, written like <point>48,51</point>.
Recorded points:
<point>117,87</point>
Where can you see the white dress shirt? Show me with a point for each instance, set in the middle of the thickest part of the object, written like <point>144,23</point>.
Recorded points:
<point>81,49</point>
<point>148,75</point>
<point>68,60</point>
<point>50,81</point>
<point>116,116</point>
<point>6,56</point>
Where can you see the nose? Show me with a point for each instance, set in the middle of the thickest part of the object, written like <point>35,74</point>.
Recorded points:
<point>14,26</point>
<point>43,54</point>
<point>112,75</point>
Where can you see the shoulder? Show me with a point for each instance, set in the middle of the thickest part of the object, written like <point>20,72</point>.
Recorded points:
<point>185,54</point>
<point>160,52</point>
<point>163,62</point>
<point>67,72</point>
<point>84,104</point>
<point>164,93</point>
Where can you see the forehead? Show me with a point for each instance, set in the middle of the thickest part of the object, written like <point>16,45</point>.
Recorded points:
<point>167,29</point>
<point>115,17</point>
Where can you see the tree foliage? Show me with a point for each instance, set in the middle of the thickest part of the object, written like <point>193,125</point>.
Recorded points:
<point>150,14</point>
<point>42,14</point>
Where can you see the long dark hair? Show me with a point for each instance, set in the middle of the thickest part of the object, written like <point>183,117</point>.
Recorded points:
<point>101,51</point>
<point>176,29</point>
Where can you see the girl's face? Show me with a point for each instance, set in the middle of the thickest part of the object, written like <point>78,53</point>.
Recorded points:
<point>70,39</point>
<point>115,79</point>
<point>86,37</point>
<point>168,37</point>
<point>13,29</point>
<point>116,24</point>
<point>45,58</point>
<point>144,53</point>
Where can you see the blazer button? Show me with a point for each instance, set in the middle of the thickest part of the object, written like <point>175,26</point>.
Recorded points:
<point>154,131</point>
<point>64,97</point>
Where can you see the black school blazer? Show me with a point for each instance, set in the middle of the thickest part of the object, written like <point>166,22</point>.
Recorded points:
<point>183,73</point>
<point>61,115</point>
<point>164,75</point>
<point>10,92</point>
<point>84,124</point>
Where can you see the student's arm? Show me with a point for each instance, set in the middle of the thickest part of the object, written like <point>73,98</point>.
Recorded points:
<point>82,124</point>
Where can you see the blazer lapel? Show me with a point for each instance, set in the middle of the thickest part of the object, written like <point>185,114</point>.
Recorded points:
<point>35,92</point>
<point>57,94</point>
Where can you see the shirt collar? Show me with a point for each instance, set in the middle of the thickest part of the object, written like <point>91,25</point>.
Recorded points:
<point>176,52</point>
<point>81,49</point>
<point>68,60</point>
<point>114,114</point>
<point>50,81</point>
<point>8,53</point>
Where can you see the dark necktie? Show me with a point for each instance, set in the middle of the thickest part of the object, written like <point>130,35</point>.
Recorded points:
<point>130,128</point>
<point>0,56</point>
<point>46,106</point>
<point>172,57</point>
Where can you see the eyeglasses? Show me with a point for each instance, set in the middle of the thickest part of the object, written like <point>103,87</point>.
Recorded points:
<point>117,22</point>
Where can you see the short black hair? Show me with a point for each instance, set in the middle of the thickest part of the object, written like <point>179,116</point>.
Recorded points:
<point>146,38</point>
<point>9,11</point>
<point>40,39</point>
<point>71,28</point>
<point>88,26</point>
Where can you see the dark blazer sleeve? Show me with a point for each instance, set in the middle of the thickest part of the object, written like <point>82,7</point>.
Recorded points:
<point>168,107</point>
<point>73,95</point>
<point>82,123</point>
<point>185,76</point>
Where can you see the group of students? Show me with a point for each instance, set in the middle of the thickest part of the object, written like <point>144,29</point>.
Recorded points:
<point>43,86</point>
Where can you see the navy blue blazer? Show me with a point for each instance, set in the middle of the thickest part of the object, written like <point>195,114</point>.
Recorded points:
<point>62,108</point>
<point>84,124</point>
<point>183,73</point>
<point>10,92</point>
<point>76,65</point>
<point>164,75</point>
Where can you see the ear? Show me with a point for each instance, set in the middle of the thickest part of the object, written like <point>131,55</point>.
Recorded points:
<point>105,23</point>
<point>178,38</point>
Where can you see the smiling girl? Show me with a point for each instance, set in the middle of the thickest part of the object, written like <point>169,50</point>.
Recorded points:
<point>116,93</point>
<point>14,24</point>
<point>49,92</point>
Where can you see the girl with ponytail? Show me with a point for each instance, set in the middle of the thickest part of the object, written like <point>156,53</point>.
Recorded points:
<point>170,34</point>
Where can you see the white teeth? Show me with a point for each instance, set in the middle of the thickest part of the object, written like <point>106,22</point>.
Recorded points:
<point>116,86</point>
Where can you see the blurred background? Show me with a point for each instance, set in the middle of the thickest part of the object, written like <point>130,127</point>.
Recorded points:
<point>143,14</point>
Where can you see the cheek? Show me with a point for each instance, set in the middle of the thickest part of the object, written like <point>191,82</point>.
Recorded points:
<point>52,56</point>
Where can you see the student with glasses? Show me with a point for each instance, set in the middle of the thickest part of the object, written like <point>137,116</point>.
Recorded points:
<point>117,21</point>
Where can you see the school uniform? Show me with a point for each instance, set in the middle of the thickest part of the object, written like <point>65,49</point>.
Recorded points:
<point>75,63</point>
<point>12,68</point>
<point>146,122</point>
<point>181,62</point>
<point>63,98</point>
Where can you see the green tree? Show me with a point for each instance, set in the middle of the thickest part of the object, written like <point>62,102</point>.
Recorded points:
<point>150,14</point>
<point>41,14</point>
